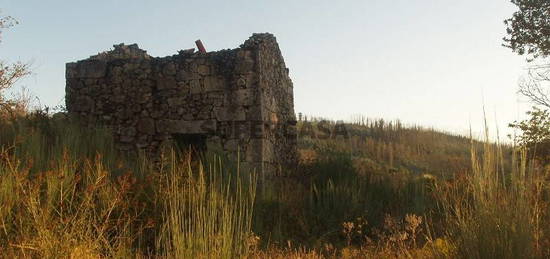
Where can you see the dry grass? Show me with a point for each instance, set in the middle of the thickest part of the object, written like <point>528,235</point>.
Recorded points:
<point>61,198</point>
<point>66,192</point>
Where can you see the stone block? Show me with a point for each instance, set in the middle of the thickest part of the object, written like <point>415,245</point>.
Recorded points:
<point>245,55</point>
<point>231,145</point>
<point>182,75</point>
<point>195,86</point>
<point>163,94</point>
<point>188,127</point>
<point>214,83</point>
<point>167,83</point>
<point>203,70</point>
<point>268,152</point>
<point>254,113</point>
<point>244,66</point>
<point>215,98</point>
<point>84,104</point>
<point>234,113</point>
<point>71,70</point>
<point>240,97</point>
<point>75,83</point>
<point>175,101</point>
<point>144,98</point>
<point>169,69</point>
<point>89,69</point>
<point>164,126</point>
<point>204,113</point>
<point>241,129</point>
<point>255,150</point>
<point>146,125</point>
<point>127,134</point>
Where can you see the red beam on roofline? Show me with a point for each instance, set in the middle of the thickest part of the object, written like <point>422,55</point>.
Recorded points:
<point>200,46</point>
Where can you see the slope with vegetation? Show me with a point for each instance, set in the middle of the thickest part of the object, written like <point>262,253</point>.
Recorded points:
<point>66,191</point>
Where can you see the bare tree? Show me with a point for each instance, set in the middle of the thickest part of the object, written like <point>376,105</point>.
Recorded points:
<point>9,73</point>
<point>536,85</point>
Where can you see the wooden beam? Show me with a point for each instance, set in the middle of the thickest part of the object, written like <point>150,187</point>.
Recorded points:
<point>200,46</point>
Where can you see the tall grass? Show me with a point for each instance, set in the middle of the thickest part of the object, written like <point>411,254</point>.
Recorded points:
<point>64,192</point>
<point>384,146</point>
<point>207,214</point>
<point>493,212</point>
<point>311,209</point>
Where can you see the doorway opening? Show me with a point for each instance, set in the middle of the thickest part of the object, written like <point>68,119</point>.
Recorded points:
<point>191,144</point>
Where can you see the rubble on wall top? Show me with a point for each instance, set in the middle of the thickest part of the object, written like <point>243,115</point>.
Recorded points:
<point>132,51</point>
<point>258,38</point>
<point>122,51</point>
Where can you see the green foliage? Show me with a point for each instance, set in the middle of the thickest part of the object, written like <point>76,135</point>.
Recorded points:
<point>529,34</point>
<point>535,134</point>
<point>529,28</point>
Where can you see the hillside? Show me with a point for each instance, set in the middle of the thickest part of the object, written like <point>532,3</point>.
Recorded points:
<point>389,147</point>
<point>387,190</point>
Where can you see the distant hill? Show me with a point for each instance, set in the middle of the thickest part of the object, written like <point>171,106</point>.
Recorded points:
<point>379,146</point>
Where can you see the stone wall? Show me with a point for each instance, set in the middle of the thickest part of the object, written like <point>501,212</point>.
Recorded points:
<point>240,99</point>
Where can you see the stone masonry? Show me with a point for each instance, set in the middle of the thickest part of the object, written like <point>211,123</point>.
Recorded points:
<point>240,100</point>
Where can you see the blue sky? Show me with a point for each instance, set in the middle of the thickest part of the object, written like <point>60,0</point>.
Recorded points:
<point>428,62</point>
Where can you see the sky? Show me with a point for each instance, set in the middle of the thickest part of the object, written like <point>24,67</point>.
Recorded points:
<point>434,63</point>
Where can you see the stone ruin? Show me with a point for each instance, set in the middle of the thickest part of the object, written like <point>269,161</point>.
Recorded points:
<point>239,100</point>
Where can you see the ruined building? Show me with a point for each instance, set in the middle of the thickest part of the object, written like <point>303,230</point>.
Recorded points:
<point>240,100</point>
